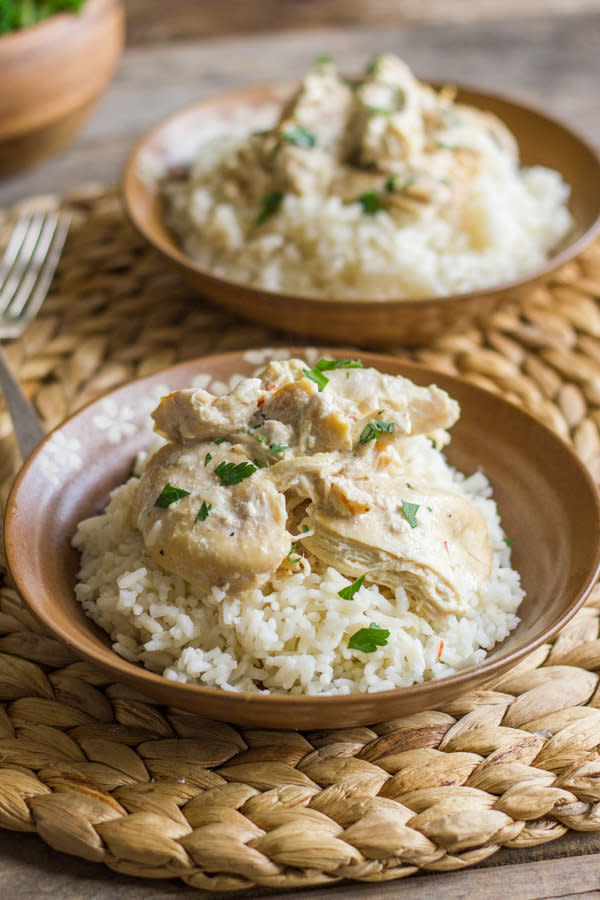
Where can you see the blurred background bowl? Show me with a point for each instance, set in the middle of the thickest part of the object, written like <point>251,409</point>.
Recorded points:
<point>173,144</point>
<point>53,73</point>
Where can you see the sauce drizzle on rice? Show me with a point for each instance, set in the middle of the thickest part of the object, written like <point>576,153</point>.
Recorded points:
<point>306,574</point>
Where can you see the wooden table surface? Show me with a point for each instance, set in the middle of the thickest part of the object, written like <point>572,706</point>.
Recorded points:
<point>551,63</point>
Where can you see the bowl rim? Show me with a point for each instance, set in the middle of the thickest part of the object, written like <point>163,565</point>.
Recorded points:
<point>170,249</point>
<point>122,669</point>
<point>64,19</point>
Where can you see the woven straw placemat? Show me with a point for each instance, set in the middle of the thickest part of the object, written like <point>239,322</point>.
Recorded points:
<point>102,773</point>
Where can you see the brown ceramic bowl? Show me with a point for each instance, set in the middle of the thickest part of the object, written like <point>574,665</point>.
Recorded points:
<point>366,322</point>
<point>53,73</point>
<point>548,503</point>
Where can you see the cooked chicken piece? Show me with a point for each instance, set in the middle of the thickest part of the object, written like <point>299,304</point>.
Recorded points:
<point>431,543</point>
<point>198,415</point>
<point>301,170</point>
<point>480,121</point>
<point>321,106</point>
<point>351,182</point>
<point>387,123</point>
<point>342,482</point>
<point>232,536</point>
<point>310,420</point>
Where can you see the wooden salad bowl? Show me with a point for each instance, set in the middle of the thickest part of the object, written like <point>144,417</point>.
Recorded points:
<point>53,73</point>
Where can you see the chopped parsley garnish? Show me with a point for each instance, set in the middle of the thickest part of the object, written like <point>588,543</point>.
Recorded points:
<point>220,440</point>
<point>380,111</point>
<point>444,146</point>
<point>317,376</point>
<point>277,448</point>
<point>348,592</point>
<point>269,206</point>
<point>409,485</point>
<point>170,494</point>
<point>508,541</point>
<point>300,137</point>
<point>409,511</point>
<point>203,512</point>
<point>374,64</point>
<point>451,118</point>
<point>292,556</point>
<point>374,430</point>
<point>371,203</point>
<point>325,365</point>
<point>233,473</point>
<point>207,458</point>
<point>368,639</point>
<point>321,61</point>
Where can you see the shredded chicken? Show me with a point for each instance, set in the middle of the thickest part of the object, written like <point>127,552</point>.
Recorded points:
<point>386,136</point>
<point>320,455</point>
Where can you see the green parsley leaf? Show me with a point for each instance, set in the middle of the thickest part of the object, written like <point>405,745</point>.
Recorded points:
<point>380,111</point>
<point>409,511</point>
<point>170,494</point>
<point>233,473</point>
<point>277,448</point>
<point>315,375</point>
<point>321,61</point>
<point>300,137</point>
<point>325,365</point>
<point>392,186</point>
<point>207,458</point>
<point>371,203</point>
<point>203,512</point>
<point>374,64</point>
<point>269,206</point>
<point>451,118</point>
<point>508,541</point>
<point>220,440</point>
<point>368,639</point>
<point>374,429</point>
<point>292,556</point>
<point>444,146</point>
<point>348,592</point>
<point>409,485</point>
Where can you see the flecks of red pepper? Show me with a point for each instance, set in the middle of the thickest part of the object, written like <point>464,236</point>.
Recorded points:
<point>440,650</point>
<point>446,546</point>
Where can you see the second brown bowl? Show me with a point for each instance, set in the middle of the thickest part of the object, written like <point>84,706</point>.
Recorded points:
<point>364,322</point>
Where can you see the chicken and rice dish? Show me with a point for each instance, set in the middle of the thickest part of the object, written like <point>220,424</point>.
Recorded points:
<point>380,187</point>
<point>302,532</point>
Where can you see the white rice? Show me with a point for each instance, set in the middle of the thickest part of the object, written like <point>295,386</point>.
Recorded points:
<point>292,634</point>
<point>507,222</point>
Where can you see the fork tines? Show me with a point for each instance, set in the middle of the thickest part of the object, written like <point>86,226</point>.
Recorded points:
<point>27,267</point>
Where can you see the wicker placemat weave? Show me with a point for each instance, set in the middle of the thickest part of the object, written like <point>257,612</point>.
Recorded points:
<point>100,772</point>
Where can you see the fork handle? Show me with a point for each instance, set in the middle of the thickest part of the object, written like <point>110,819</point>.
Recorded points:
<point>26,422</point>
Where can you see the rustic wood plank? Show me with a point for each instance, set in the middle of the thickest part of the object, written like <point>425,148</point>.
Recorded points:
<point>32,869</point>
<point>147,21</point>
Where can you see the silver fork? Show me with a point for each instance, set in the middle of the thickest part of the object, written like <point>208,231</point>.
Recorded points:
<point>26,271</point>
